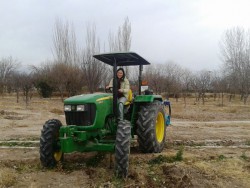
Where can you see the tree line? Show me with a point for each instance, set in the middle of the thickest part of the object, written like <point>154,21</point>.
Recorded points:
<point>73,69</point>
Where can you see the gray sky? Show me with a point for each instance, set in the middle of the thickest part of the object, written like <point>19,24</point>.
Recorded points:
<point>186,32</point>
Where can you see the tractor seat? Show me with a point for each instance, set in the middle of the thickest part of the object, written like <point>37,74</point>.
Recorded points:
<point>130,98</point>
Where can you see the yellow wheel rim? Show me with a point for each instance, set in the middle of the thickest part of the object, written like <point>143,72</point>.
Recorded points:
<point>58,155</point>
<point>160,127</point>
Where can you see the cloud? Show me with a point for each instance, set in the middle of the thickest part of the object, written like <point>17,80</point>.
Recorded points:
<point>186,32</point>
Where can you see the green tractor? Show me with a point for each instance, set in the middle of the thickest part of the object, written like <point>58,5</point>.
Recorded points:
<point>93,125</point>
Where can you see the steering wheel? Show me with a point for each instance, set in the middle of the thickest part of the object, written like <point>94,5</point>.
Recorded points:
<point>109,90</point>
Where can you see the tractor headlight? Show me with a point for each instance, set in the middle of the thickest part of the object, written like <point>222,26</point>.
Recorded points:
<point>80,108</point>
<point>67,108</point>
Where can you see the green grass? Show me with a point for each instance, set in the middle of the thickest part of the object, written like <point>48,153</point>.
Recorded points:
<point>21,144</point>
<point>248,142</point>
<point>221,157</point>
<point>243,156</point>
<point>168,159</point>
<point>8,178</point>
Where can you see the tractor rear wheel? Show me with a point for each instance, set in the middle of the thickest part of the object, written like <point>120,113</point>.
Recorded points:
<point>122,148</point>
<point>50,151</point>
<point>151,129</point>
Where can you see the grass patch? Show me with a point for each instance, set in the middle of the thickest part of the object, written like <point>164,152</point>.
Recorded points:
<point>168,159</point>
<point>21,166</point>
<point>179,154</point>
<point>20,144</point>
<point>248,142</point>
<point>13,117</point>
<point>117,182</point>
<point>7,177</point>
<point>160,159</point>
<point>28,168</point>
<point>244,156</point>
<point>221,157</point>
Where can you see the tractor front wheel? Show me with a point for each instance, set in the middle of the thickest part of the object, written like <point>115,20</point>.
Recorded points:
<point>50,151</point>
<point>151,129</point>
<point>122,148</point>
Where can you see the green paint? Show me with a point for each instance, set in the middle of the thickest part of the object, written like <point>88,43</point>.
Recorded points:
<point>100,136</point>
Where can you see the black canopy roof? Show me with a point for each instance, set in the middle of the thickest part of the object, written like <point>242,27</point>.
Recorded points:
<point>122,59</point>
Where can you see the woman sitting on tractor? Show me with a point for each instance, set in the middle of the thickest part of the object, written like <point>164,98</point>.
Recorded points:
<point>123,89</point>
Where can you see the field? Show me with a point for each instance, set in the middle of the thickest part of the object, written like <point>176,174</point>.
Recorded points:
<point>207,146</point>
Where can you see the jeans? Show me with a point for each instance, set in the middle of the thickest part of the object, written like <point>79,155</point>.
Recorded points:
<point>121,102</point>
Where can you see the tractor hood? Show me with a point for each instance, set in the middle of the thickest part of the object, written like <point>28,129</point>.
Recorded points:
<point>88,98</point>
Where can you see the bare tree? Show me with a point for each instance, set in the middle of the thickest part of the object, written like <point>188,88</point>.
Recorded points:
<point>62,78</point>
<point>124,36</point>
<point>66,79</point>
<point>15,82</point>
<point>172,73</point>
<point>154,76</point>
<point>165,78</point>
<point>65,46</point>
<point>235,51</point>
<point>122,41</point>
<point>27,85</point>
<point>67,52</point>
<point>220,84</point>
<point>93,71</point>
<point>186,80</point>
<point>75,82</point>
<point>201,83</point>
<point>7,66</point>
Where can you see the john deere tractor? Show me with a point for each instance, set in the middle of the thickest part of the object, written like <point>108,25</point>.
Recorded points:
<point>92,121</point>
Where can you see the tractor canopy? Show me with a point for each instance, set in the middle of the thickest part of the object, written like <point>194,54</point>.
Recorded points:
<point>122,59</point>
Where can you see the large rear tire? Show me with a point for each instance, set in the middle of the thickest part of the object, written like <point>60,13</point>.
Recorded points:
<point>122,148</point>
<point>151,129</point>
<point>50,150</point>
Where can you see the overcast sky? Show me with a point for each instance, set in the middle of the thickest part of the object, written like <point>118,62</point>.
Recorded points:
<point>186,32</point>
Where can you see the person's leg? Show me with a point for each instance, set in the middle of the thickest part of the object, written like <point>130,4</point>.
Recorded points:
<point>121,102</point>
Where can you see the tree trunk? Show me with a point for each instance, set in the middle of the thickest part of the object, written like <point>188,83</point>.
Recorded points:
<point>17,96</point>
<point>203,98</point>
<point>230,97</point>
<point>215,95</point>
<point>245,98</point>
<point>222,99</point>
<point>185,102</point>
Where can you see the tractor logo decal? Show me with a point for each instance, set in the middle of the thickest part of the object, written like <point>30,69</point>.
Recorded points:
<point>104,98</point>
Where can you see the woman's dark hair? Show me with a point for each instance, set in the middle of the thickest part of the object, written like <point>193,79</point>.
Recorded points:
<point>121,69</point>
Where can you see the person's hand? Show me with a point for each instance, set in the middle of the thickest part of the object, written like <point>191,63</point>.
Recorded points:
<point>108,89</point>
<point>120,90</point>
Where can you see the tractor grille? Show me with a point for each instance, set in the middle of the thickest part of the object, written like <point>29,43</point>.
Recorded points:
<point>84,118</point>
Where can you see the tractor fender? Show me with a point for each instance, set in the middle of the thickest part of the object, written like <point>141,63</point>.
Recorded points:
<point>147,98</point>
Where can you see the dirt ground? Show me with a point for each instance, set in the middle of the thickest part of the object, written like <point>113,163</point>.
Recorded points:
<point>207,146</point>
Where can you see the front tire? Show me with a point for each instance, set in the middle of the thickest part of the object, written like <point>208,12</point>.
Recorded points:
<point>151,129</point>
<point>50,151</point>
<point>122,148</point>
